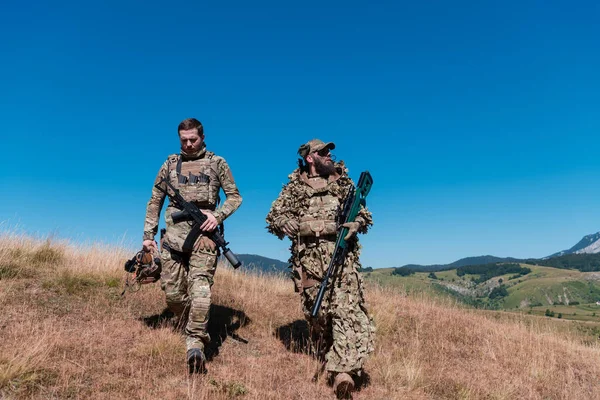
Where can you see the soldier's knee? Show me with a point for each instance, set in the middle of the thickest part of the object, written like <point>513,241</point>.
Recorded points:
<point>202,266</point>
<point>200,297</point>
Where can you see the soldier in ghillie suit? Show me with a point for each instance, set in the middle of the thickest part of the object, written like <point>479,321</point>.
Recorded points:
<point>188,270</point>
<point>306,211</point>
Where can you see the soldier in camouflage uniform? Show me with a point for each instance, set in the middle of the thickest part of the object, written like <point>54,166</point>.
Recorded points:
<point>306,212</point>
<point>187,273</point>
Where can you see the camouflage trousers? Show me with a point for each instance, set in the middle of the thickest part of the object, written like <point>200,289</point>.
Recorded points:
<point>342,333</point>
<point>186,279</point>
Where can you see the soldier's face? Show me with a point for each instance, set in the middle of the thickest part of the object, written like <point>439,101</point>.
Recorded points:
<point>190,140</point>
<point>323,163</point>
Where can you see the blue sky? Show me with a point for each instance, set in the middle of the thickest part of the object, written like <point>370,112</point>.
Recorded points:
<point>479,121</point>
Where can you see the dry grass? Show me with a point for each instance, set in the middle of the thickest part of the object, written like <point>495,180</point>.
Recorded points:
<point>66,333</point>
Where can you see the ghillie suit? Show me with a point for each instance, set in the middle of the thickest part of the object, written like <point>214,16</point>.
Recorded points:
<point>342,333</point>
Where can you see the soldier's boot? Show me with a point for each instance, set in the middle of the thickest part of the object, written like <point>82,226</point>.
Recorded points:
<point>343,385</point>
<point>196,361</point>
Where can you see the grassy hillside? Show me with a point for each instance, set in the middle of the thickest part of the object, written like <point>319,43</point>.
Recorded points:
<point>571,293</point>
<point>548,286</point>
<point>66,333</point>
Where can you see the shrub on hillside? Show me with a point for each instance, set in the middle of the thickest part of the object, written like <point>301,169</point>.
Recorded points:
<point>71,283</point>
<point>498,292</point>
<point>47,254</point>
<point>11,270</point>
<point>403,271</point>
<point>25,262</point>
<point>488,271</point>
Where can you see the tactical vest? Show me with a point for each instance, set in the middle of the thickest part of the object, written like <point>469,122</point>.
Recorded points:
<point>319,219</point>
<point>197,180</point>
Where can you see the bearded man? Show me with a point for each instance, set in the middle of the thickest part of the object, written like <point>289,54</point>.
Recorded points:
<point>342,334</point>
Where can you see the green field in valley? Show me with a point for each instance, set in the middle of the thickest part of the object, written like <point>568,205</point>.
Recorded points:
<point>545,291</point>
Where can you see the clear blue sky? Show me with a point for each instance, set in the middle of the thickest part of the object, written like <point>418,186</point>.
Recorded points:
<point>479,121</point>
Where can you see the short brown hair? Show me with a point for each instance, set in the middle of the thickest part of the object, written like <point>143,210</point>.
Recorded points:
<point>191,123</point>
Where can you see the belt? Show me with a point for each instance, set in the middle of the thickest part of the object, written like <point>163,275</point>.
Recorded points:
<point>200,206</point>
<point>317,240</point>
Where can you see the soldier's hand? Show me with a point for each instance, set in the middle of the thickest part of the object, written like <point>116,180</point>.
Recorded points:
<point>211,222</point>
<point>353,228</point>
<point>290,227</point>
<point>149,245</point>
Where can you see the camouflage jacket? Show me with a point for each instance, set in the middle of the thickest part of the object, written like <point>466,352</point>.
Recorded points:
<point>294,201</point>
<point>199,181</point>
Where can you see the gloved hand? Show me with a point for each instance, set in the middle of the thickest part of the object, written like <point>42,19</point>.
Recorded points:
<point>290,227</point>
<point>353,228</point>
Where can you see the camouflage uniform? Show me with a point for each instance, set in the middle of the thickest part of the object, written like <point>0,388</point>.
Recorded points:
<point>343,331</point>
<point>187,274</point>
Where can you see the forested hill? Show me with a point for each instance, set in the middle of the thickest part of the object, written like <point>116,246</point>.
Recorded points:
<point>478,260</point>
<point>264,264</point>
<point>581,262</point>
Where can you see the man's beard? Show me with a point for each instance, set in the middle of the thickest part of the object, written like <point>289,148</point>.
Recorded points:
<point>325,168</point>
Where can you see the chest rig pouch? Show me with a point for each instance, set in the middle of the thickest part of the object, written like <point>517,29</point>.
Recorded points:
<point>197,180</point>
<point>320,217</point>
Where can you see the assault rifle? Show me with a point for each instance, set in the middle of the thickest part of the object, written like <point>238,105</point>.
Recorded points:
<point>191,212</point>
<point>354,200</point>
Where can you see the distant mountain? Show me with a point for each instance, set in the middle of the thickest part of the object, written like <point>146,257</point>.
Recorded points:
<point>590,244</point>
<point>463,262</point>
<point>264,264</point>
<point>584,262</point>
<point>479,260</point>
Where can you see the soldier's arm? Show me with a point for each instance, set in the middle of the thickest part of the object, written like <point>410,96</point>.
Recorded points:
<point>282,211</point>
<point>155,204</point>
<point>233,199</point>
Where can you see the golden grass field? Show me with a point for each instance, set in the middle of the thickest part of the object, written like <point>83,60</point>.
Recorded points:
<point>67,334</point>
